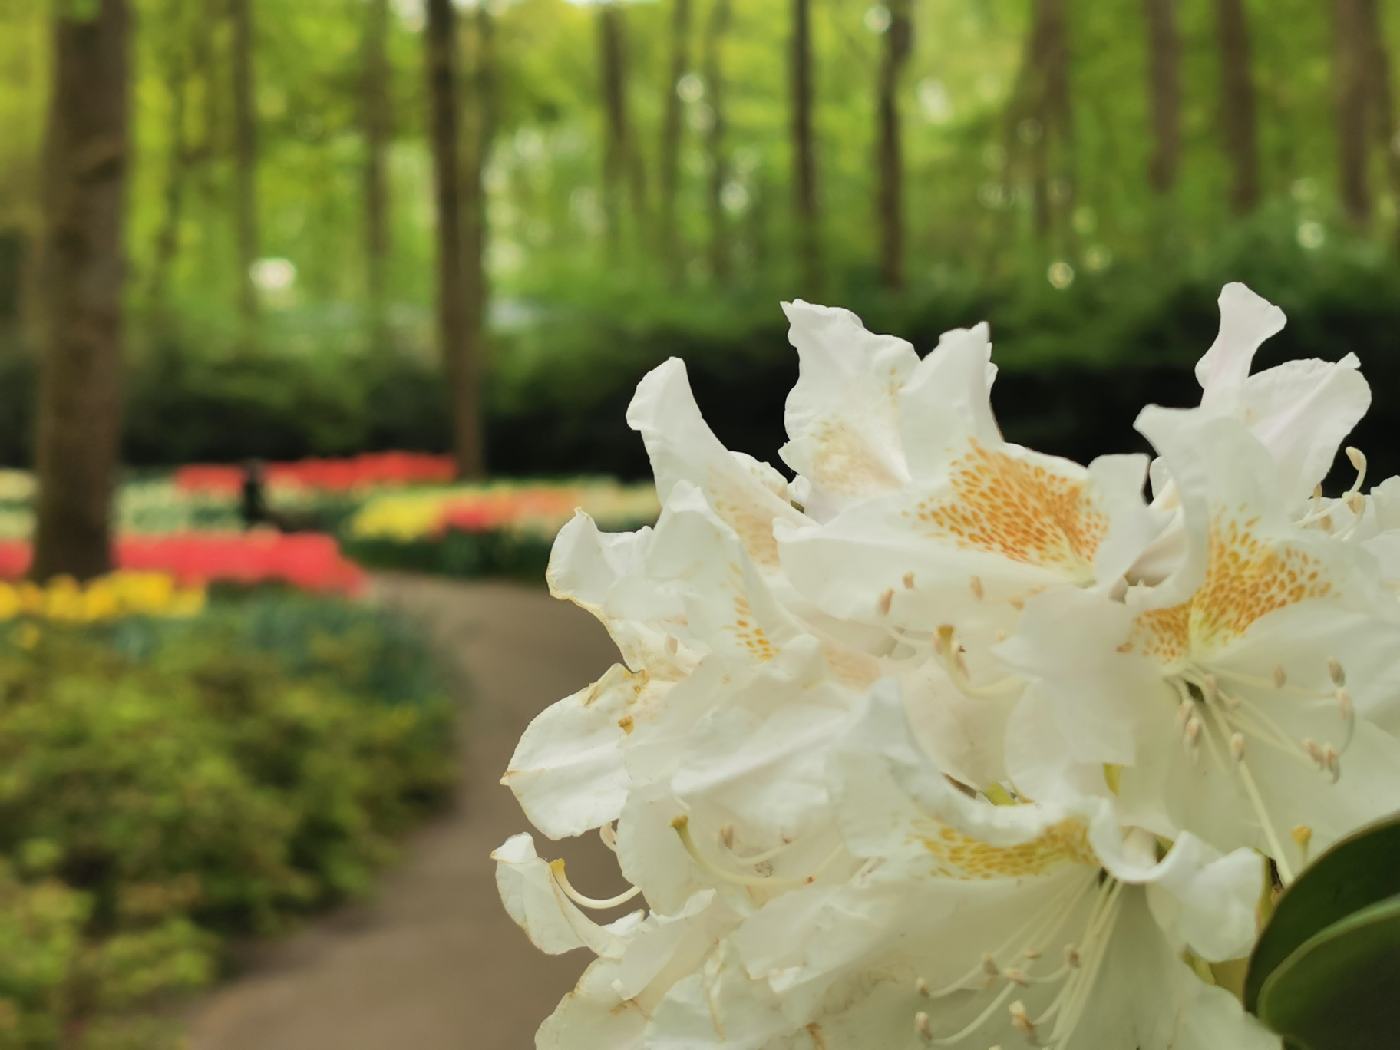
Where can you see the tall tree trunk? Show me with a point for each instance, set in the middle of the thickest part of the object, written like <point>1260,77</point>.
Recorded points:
<point>804,165</point>
<point>1352,98</point>
<point>1238,107</point>
<point>1382,101</point>
<point>377,129</point>
<point>718,156</point>
<point>475,211</point>
<point>80,291</point>
<point>622,163</point>
<point>889,156</point>
<point>245,162</point>
<point>1040,118</point>
<point>1164,93</point>
<point>453,294</point>
<point>671,130</point>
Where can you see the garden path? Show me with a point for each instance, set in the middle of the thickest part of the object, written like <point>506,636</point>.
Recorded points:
<point>433,962</point>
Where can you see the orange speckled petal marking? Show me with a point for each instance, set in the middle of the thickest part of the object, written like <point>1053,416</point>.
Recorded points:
<point>1022,510</point>
<point>966,858</point>
<point>1247,578</point>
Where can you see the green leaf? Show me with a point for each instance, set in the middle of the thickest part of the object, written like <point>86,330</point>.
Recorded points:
<point>1338,991</point>
<point>1355,873</point>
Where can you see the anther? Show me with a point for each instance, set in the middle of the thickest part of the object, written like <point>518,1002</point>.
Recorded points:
<point>1280,677</point>
<point>1032,954</point>
<point>1072,959</point>
<point>943,639</point>
<point>1302,835</point>
<point>1356,503</point>
<point>1345,705</point>
<point>1017,977</point>
<point>1184,710</point>
<point>990,967</point>
<point>726,836</point>
<point>1192,739</point>
<point>886,600</point>
<point>1237,747</point>
<point>921,987</point>
<point>976,584</point>
<point>1315,752</point>
<point>1210,688</point>
<point>1022,1020</point>
<point>1332,761</point>
<point>1336,672</point>
<point>908,581</point>
<point>673,646</point>
<point>923,1027</point>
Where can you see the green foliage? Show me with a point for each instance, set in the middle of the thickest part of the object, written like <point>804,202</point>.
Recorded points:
<point>167,786</point>
<point>456,553</point>
<point>1323,972</point>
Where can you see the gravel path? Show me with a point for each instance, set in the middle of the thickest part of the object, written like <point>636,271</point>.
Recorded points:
<point>433,962</point>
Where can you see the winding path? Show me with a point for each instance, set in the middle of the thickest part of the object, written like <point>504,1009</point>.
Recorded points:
<point>433,962</point>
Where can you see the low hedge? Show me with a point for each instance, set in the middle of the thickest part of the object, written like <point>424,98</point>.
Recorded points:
<point>167,788</point>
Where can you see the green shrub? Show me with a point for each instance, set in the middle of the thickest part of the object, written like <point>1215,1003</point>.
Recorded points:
<point>166,786</point>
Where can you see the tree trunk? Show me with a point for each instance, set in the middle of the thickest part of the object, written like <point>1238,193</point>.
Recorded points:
<point>475,212</point>
<point>1382,101</point>
<point>453,294</point>
<point>377,129</point>
<point>1040,118</point>
<point>245,162</point>
<point>804,169</point>
<point>621,161</point>
<point>671,131</point>
<point>889,157</point>
<point>1352,97</point>
<point>715,147</point>
<point>1164,93</point>
<point>80,292</point>
<point>1239,119</point>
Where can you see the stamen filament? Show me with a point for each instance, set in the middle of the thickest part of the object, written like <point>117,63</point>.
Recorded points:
<point>556,868</point>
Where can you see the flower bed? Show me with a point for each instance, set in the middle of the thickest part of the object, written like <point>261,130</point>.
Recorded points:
<point>501,529</point>
<point>170,785</point>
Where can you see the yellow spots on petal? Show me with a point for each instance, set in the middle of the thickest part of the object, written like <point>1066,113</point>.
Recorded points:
<point>1247,578</point>
<point>749,633</point>
<point>964,857</point>
<point>844,463</point>
<point>1164,634</point>
<point>1019,509</point>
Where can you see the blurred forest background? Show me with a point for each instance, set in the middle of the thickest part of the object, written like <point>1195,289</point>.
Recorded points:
<point>620,182</point>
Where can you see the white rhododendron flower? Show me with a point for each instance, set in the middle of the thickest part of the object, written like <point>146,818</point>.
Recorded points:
<point>945,742</point>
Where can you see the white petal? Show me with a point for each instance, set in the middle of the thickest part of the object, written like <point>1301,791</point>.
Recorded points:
<point>1246,320</point>
<point>534,900</point>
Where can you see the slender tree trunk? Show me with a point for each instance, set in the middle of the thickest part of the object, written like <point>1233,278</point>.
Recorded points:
<point>671,131</point>
<point>1040,118</point>
<point>1164,93</point>
<point>475,211</point>
<point>80,291</point>
<point>453,293</point>
<point>245,163</point>
<point>1238,106</point>
<point>889,156</point>
<point>1352,97</point>
<point>377,130</point>
<point>804,166</point>
<point>718,156</point>
<point>1382,101</point>
<point>621,161</point>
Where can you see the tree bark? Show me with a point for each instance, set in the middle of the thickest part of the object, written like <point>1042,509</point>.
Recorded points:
<point>453,294</point>
<point>476,213</point>
<point>889,156</point>
<point>1381,99</point>
<point>1164,93</point>
<point>804,168</point>
<point>1352,98</point>
<point>80,291</point>
<point>1040,119</point>
<point>715,146</point>
<point>672,129</point>
<point>377,130</point>
<point>1238,105</point>
<point>622,164</point>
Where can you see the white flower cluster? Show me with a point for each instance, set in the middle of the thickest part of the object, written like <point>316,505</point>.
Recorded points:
<point>949,743</point>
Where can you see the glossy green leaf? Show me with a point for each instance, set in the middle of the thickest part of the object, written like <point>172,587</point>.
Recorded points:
<point>1338,990</point>
<point>1355,873</point>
